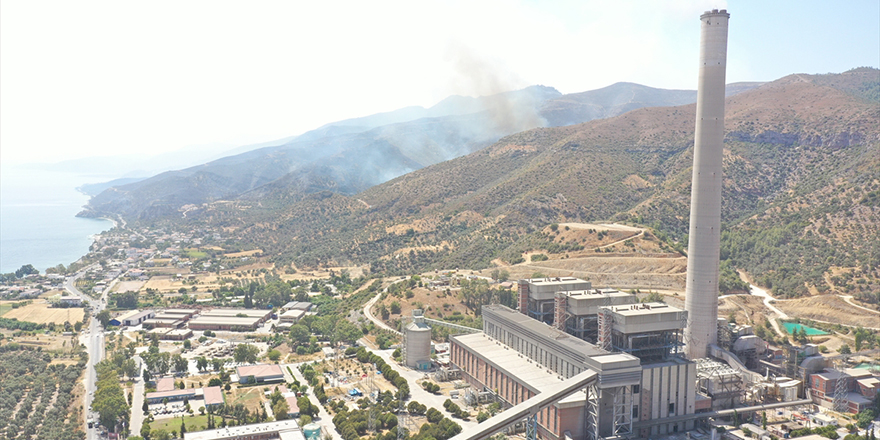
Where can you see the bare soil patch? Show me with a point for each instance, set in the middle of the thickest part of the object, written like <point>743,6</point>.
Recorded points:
<point>436,304</point>
<point>243,253</point>
<point>39,312</point>
<point>829,308</point>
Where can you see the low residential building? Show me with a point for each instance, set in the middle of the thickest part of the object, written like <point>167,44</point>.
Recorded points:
<point>70,301</point>
<point>165,384</point>
<point>259,374</point>
<point>282,430</point>
<point>177,334</point>
<point>213,396</point>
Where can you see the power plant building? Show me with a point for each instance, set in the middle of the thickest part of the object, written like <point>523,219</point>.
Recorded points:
<point>642,375</point>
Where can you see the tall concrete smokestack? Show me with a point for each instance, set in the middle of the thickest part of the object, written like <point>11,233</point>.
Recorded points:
<point>701,301</point>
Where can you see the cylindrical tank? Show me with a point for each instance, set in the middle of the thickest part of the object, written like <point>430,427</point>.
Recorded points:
<point>418,342</point>
<point>312,431</point>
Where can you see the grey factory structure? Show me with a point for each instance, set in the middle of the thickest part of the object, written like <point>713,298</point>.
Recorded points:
<point>635,349</point>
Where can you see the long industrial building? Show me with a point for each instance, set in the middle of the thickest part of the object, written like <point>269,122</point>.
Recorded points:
<point>634,348</point>
<point>230,319</point>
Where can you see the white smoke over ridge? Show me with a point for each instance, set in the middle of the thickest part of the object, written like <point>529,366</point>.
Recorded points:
<point>474,75</point>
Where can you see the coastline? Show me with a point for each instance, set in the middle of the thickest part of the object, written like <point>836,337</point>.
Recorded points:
<point>38,222</point>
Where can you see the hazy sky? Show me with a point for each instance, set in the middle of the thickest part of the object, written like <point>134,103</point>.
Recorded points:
<point>84,78</point>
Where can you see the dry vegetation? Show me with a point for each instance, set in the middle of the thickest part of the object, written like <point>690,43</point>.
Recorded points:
<point>40,312</point>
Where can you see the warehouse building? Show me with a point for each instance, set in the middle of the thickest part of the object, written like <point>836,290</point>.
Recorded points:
<point>224,323</point>
<point>183,314</point>
<point>163,323</point>
<point>292,316</point>
<point>259,374</point>
<point>132,317</point>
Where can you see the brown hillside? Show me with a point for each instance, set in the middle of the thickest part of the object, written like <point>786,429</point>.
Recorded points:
<point>801,191</point>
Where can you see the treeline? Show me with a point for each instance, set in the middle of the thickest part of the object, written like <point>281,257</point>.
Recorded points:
<point>388,373</point>
<point>15,324</point>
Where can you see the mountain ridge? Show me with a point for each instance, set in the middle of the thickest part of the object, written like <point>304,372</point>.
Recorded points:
<point>337,147</point>
<point>801,158</point>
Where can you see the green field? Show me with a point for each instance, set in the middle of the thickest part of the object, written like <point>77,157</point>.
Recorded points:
<point>193,423</point>
<point>194,254</point>
<point>5,308</point>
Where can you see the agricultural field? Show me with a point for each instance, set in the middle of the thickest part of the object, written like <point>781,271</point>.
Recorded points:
<point>38,400</point>
<point>40,312</point>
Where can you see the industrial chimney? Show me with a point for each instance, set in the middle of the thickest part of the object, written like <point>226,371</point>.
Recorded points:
<point>701,301</point>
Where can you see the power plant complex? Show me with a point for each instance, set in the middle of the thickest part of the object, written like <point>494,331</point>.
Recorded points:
<point>578,362</point>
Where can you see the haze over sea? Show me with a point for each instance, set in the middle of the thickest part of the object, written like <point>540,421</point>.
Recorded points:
<point>38,223</point>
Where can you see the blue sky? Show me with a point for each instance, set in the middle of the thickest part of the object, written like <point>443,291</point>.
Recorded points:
<point>88,78</point>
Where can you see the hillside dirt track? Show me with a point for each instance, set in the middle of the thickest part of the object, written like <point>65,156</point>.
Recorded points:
<point>829,308</point>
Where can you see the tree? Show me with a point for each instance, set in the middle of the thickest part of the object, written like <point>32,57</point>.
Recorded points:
<point>299,334</point>
<point>103,317</point>
<point>845,349</point>
<point>27,269</point>
<point>215,382</point>
<point>145,408</point>
<point>274,354</point>
<point>161,435</point>
<point>347,332</point>
<point>78,326</point>
<point>280,409</point>
<point>217,363</point>
<point>130,368</point>
<point>245,353</point>
<point>147,376</point>
<point>201,363</point>
<point>187,345</point>
<point>180,364</point>
<point>433,415</point>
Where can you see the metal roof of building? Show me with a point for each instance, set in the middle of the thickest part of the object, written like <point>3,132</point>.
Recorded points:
<point>258,371</point>
<point>285,429</point>
<point>528,372</point>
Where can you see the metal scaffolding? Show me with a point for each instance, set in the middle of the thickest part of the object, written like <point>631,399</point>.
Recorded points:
<point>721,382</point>
<point>592,420</point>
<point>648,347</point>
<point>542,310</point>
<point>605,324</point>
<point>841,388</point>
<point>623,407</point>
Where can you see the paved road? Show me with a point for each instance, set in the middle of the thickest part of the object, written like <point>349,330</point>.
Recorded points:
<point>323,417</point>
<point>137,414</point>
<point>93,340</point>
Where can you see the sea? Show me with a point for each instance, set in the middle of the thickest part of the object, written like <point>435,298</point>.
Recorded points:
<point>38,223</point>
